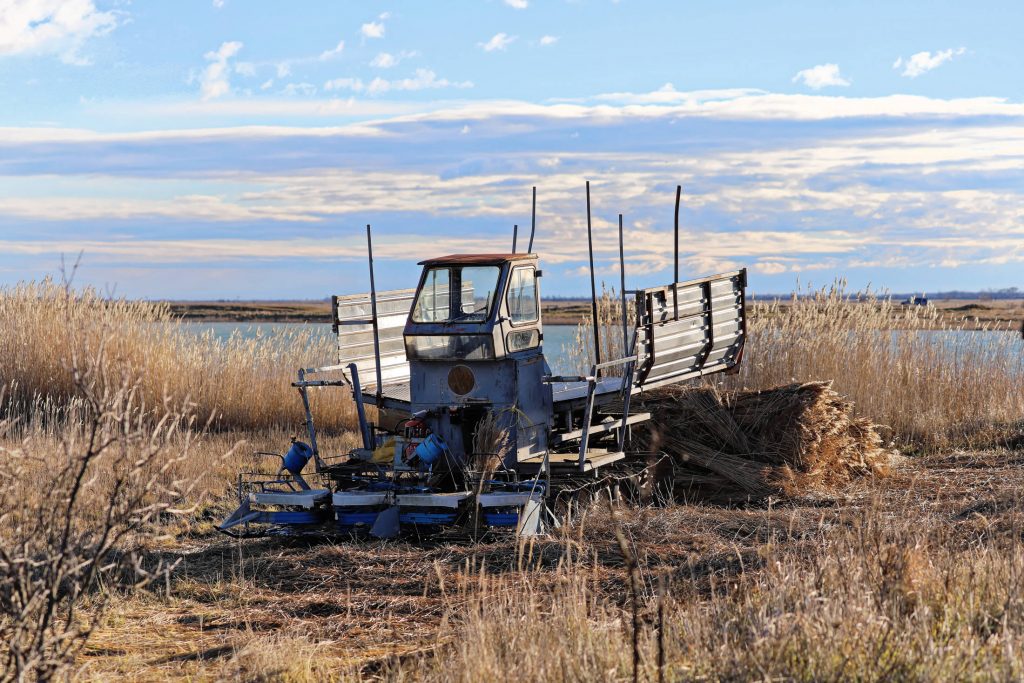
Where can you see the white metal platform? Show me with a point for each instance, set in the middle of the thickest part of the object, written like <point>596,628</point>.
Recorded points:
<point>433,500</point>
<point>507,498</point>
<point>303,499</point>
<point>359,498</point>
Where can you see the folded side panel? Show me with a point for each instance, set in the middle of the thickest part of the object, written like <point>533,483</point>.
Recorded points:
<point>353,323</point>
<point>704,335</point>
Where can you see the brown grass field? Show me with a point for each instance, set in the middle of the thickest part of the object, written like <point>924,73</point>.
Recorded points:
<point>916,575</point>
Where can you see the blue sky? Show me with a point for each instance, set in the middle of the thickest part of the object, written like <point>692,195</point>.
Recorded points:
<point>230,148</point>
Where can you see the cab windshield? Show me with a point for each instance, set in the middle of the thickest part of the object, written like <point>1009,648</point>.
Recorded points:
<point>453,294</point>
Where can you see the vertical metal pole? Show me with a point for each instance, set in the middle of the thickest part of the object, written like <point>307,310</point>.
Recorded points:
<point>373,311</point>
<point>675,273</point>
<point>357,394</point>
<point>622,292</point>
<point>533,221</point>
<point>310,427</point>
<point>593,285</point>
<point>515,236</point>
<point>627,370</point>
<point>588,415</point>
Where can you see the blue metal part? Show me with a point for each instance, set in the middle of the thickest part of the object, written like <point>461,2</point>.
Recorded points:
<point>427,518</point>
<point>357,394</point>
<point>289,517</point>
<point>297,457</point>
<point>501,519</point>
<point>351,517</point>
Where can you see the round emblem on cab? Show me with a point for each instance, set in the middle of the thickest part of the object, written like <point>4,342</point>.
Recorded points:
<point>461,380</point>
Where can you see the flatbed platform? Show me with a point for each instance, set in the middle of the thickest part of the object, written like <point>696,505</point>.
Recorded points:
<point>570,462</point>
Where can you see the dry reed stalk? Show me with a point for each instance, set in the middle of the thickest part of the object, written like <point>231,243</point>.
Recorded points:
<point>580,355</point>
<point>490,444</point>
<point>935,381</point>
<point>241,382</point>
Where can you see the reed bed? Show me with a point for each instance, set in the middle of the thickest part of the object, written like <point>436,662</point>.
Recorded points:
<point>240,383</point>
<point>936,381</point>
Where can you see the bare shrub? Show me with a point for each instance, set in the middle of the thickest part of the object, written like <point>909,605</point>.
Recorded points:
<point>74,522</point>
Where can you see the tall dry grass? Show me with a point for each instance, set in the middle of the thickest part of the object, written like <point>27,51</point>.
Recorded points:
<point>240,383</point>
<point>613,344</point>
<point>876,599</point>
<point>934,381</point>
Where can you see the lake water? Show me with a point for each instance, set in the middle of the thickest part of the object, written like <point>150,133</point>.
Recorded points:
<point>557,338</point>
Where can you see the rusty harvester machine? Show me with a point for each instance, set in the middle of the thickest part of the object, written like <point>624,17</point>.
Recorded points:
<point>472,430</point>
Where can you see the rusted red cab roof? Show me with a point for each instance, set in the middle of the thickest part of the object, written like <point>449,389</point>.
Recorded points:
<point>476,259</point>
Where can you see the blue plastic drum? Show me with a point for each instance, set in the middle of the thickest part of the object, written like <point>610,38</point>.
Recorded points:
<point>297,457</point>
<point>430,450</point>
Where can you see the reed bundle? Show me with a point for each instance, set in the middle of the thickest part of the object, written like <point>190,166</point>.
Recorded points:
<point>750,445</point>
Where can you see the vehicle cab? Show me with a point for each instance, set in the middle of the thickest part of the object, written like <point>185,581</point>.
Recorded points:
<point>475,307</point>
<point>473,339</point>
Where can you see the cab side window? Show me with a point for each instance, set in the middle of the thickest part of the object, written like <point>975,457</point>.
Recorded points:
<point>523,306</point>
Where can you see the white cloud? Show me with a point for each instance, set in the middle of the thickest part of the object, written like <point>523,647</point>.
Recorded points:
<point>216,78</point>
<point>424,79</point>
<point>333,52</point>
<point>667,95</point>
<point>500,41</point>
<point>821,76</point>
<point>353,84</point>
<point>218,4</point>
<point>267,84</point>
<point>375,29</point>
<point>923,62</point>
<point>770,267</point>
<point>548,40</point>
<point>386,60</point>
<point>518,4</point>
<point>846,195</point>
<point>59,27</point>
<point>300,89</point>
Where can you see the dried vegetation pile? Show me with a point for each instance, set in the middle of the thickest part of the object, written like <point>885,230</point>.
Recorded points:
<point>749,445</point>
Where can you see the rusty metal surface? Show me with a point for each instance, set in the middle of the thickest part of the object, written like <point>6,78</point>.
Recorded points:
<point>477,259</point>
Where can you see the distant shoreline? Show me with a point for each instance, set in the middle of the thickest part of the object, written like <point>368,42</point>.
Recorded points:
<point>971,313</point>
<point>555,313</point>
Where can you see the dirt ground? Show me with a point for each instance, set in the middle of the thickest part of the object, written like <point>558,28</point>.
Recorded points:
<point>234,607</point>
